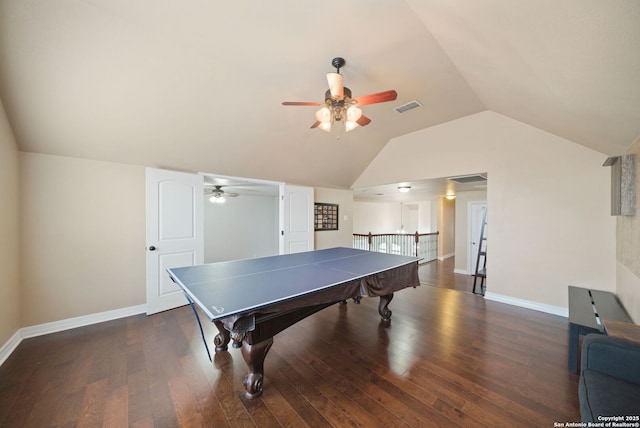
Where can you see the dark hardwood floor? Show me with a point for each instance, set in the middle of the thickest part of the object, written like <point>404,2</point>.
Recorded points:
<point>439,273</point>
<point>449,358</point>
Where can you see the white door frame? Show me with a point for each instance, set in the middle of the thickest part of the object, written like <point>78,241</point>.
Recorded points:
<point>153,270</point>
<point>285,233</point>
<point>471,220</point>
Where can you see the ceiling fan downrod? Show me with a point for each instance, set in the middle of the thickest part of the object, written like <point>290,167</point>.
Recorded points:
<point>338,63</point>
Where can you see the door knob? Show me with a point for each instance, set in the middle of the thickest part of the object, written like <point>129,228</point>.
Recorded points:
<point>152,248</point>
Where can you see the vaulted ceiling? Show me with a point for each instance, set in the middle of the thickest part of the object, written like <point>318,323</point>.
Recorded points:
<point>197,84</point>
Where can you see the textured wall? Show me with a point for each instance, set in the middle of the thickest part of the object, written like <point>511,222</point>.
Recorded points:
<point>628,251</point>
<point>628,240</point>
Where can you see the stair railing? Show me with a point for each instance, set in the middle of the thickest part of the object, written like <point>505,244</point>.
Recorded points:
<point>423,245</point>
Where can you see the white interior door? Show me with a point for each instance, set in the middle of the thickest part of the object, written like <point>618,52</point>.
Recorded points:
<point>174,233</point>
<point>476,216</point>
<point>296,219</point>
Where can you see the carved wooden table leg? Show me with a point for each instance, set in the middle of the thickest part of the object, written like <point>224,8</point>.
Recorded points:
<point>254,356</point>
<point>222,338</point>
<point>383,307</point>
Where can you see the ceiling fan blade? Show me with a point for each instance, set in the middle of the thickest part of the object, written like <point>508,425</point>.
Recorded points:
<point>363,120</point>
<point>231,195</point>
<point>336,85</point>
<point>300,103</point>
<point>380,97</point>
<point>315,124</point>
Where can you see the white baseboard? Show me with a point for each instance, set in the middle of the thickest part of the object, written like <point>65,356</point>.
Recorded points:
<point>10,346</point>
<point>55,326</point>
<point>461,271</point>
<point>529,304</point>
<point>446,256</point>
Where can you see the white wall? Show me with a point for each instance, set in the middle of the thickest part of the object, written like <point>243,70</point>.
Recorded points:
<point>9,227</point>
<point>241,228</point>
<point>343,237</point>
<point>387,217</point>
<point>424,220</point>
<point>446,227</point>
<point>549,201</point>
<point>82,237</point>
<point>375,217</point>
<point>410,218</point>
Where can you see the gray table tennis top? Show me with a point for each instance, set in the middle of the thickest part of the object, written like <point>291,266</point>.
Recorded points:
<point>235,287</point>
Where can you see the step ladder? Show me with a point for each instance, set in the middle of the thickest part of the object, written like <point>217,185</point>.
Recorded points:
<point>481,269</point>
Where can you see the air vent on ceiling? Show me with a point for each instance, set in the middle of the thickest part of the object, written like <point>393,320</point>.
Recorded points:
<point>408,106</point>
<point>468,178</point>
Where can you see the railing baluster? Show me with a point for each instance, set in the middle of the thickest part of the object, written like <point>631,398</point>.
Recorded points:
<point>423,245</point>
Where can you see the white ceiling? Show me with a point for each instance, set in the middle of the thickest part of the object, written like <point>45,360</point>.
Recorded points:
<point>242,187</point>
<point>422,190</point>
<point>197,85</point>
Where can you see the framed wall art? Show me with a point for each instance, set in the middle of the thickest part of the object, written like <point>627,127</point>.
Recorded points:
<point>325,216</point>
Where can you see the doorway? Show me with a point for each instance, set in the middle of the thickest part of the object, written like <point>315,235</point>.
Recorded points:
<point>241,218</point>
<point>175,225</point>
<point>476,215</point>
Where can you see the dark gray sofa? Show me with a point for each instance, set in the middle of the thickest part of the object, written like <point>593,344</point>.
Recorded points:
<point>609,378</point>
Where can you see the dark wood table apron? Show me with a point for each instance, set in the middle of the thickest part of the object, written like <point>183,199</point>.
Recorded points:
<point>254,332</point>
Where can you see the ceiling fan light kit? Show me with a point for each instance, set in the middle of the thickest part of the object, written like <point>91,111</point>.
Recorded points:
<point>339,106</point>
<point>218,195</point>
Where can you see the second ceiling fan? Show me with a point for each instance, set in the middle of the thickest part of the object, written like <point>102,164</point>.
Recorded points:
<point>339,106</point>
<point>217,194</point>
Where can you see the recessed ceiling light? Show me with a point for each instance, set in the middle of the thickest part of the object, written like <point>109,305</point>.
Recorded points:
<point>404,189</point>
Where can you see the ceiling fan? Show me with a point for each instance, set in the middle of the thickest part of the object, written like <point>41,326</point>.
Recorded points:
<point>338,104</point>
<point>217,194</point>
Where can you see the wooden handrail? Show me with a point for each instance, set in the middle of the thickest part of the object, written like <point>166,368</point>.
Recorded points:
<point>417,235</point>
